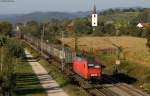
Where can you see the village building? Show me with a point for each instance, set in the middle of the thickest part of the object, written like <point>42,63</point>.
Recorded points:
<point>143,25</point>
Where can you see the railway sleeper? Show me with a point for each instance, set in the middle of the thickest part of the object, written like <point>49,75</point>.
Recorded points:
<point>95,92</point>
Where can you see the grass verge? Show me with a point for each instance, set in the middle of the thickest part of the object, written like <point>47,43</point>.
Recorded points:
<point>27,83</point>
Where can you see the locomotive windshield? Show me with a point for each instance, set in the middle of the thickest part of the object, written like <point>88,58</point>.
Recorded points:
<point>91,59</point>
<point>90,66</point>
<point>80,58</point>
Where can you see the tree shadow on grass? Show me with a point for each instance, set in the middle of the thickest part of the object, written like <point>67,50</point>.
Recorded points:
<point>31,59</point>
<point>27,83</point>
<point>124,78</point>
<point>118,78</point>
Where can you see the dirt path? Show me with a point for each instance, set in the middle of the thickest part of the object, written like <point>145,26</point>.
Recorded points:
<point>51,87</point>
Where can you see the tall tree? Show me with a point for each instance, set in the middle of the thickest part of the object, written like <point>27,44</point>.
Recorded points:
<point>5,28</point>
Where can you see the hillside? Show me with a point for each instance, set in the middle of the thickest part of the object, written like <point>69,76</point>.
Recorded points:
<point>119,17</point>
<point>42,16</point>
<point>122,16</point>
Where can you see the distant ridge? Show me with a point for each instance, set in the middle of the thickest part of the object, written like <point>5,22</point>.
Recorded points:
<point>42,16</point>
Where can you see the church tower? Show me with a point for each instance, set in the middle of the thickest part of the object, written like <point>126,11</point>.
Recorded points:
<point>94,17</point>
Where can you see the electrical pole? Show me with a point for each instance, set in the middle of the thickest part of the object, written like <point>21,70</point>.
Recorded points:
<point>63,50</point>
<point>76,41</point>
<point>1,59</point>
<point>42,36</point>
<point>118,54</point>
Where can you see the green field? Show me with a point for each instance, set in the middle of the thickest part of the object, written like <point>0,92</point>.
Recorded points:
<point>27,83</point>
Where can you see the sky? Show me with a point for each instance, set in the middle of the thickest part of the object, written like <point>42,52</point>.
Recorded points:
<point>28,6</point>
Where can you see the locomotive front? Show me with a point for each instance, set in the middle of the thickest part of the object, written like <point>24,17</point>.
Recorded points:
<point>87,67</point>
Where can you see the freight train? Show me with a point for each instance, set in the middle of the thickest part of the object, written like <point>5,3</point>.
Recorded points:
<point>82,65</point>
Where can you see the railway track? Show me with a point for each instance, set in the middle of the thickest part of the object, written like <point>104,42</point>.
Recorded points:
<point>126,88</point>
<point>107,92</point>
<point>99,90</point>
<point>131,90</point>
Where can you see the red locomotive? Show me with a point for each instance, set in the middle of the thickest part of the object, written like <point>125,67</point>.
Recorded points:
<point>87,67</point>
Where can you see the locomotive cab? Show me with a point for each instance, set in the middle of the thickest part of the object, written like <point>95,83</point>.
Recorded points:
<point>94,68</point>
<point>87,67</point>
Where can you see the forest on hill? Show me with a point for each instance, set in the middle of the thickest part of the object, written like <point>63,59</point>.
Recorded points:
<point>109,21</point>
<point>112,22</point>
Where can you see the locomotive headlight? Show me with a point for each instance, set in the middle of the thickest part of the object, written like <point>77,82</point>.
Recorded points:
<point>91,65</point>
<point>97,66</point>
<point>94,75</point>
